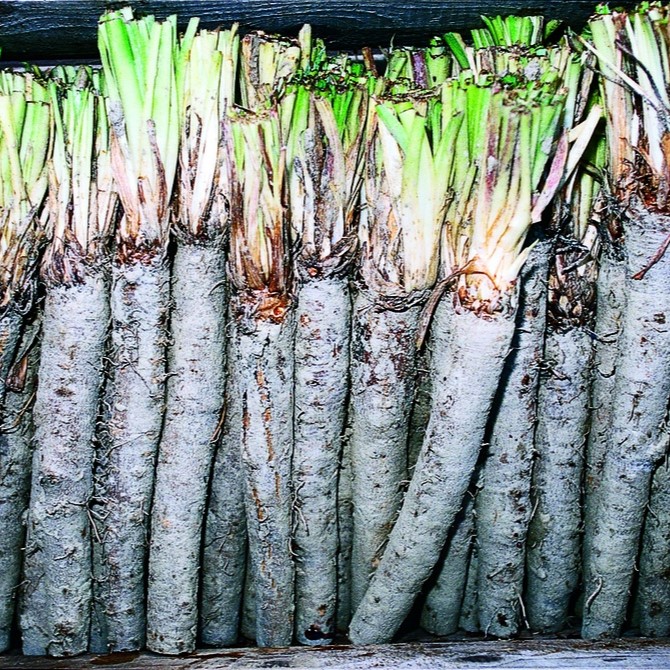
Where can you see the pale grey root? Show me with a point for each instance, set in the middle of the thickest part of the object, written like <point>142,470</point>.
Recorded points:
<point>266,388</point>
<point>225,549</point>
<point>129,441</point>
<point>323,327</point>
<point>56,605</point>
<point>637,440</point>
<point>654,582</point>
<point>468,357</point>
<point>382,388</point>
<point>420,414</point>
<point>10,333</point>
<point>611,297</point>
<point>16,438</point>
<point>469,619</point>
<point>503,505</point>
<point>345,532</point>
<point>248,623</point>
<point>194,402</point>
<point>553,549</point>
<point>442,610</point>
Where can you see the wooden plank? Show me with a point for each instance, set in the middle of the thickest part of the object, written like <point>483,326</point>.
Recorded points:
<point>58,29</point>
<point>558,654</point>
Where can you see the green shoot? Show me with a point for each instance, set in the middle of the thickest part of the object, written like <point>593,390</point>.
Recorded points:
<point>423,68</point>
<point>413,148</point>
<point>513,45</point>
<point>258,244</point>
<point>82,199</point>
<point>325,112</point>
<point>648,35</point>
<point>143,66</point>
<point>509,31</point>
<point>208,88</point>
<point>511,132</point>
<point>24,145</point>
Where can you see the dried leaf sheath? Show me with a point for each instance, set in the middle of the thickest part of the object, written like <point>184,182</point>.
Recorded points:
<point>267,62</point>
<point>259,240</point>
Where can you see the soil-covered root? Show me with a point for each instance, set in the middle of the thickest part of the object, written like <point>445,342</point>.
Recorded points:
<point>382,389</point>
<point>653,598</point>
<point>442,610</point>
<point>466,347</point>
<point>610,302</point>
<point>16,436</point>
<point>224,561</point>
<point>129,440</point>
<point>323,326</point>
<point>55,612</point>
<point>266,388</point>
<point>420,415</point>
<point>195,391</point>
<point>553,551</point>
<point>345,533</point>
<point>503,505</point>
<point>637,439</point>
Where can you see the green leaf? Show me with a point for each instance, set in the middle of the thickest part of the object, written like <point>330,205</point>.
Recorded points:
<point>457,46</point>
<point>388,116</point>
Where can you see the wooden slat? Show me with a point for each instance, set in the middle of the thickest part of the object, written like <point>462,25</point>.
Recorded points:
<point>57,29</point>
<point>629,654</point>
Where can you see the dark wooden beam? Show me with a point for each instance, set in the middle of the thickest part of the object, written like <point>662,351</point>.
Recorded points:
<point>57,29</point>
<point>555,654</point>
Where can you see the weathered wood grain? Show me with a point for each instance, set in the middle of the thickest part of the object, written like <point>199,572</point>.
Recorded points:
<point>573,654</point>
<point>57,29</point>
